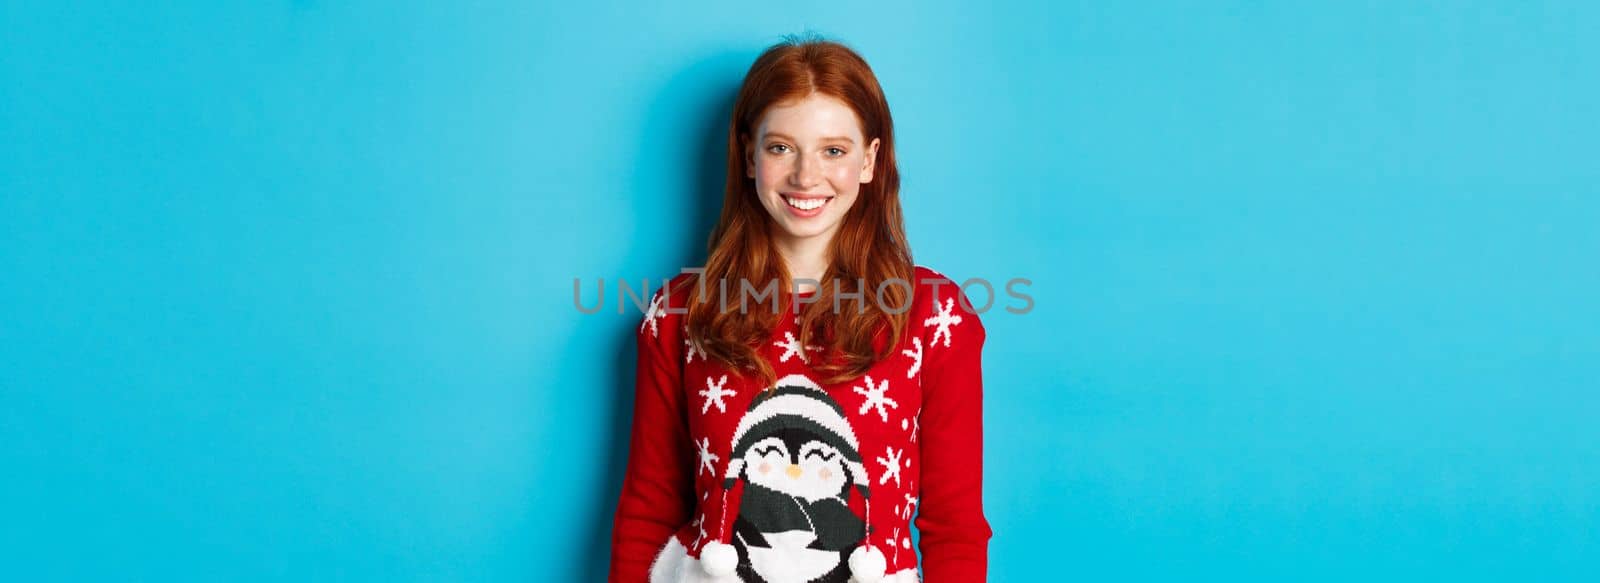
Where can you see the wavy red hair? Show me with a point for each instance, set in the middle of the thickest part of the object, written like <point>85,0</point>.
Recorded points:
<point>869,245</point>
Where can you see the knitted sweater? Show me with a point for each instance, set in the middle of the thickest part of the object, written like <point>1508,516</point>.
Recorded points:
<point>811,483</point>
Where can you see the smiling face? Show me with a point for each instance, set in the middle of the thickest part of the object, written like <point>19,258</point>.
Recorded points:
<point>809,160</point>
<point>795,463</point>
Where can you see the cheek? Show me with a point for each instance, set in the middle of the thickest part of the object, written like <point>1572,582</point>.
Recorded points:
<point>846,178</point>
<point>825,473</point>
<point>768,172</point>
<point>846,173</point>
<point>764,468</point>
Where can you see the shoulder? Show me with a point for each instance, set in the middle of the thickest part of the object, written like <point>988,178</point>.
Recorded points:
<point>938,300</point>
<point>665,307</point>
<point>934,288</point>
<point>925,272</point>
<point>675,292</point>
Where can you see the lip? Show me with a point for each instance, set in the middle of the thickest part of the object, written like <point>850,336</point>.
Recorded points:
<point>801,213</point>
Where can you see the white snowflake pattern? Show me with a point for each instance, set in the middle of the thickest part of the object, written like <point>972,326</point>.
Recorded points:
<point>707,459</point>
<point>915,429</point>
<point>891,466</point>
<point>791,348</point>
<point>876,398</point>
<point>692,348</point>
<point>944,320</point>
<point>916,357</point>
<point>653,315</point>
<point>714,394</point>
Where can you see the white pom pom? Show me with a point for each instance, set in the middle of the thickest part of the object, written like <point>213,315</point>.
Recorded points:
<point>867,564</point>
<point>718,558</point>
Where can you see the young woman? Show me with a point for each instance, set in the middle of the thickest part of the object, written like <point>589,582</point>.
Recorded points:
<point>812,390</point>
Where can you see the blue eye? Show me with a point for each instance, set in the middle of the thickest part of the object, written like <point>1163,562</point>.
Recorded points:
<point>769,148</point>
<point>840,152</point>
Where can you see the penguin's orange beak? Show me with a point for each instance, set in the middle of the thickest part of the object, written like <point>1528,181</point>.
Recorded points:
<point>793,471</point>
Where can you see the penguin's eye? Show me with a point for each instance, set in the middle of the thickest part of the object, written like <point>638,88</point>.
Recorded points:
<point>768,450</point>
<point>817,453</point>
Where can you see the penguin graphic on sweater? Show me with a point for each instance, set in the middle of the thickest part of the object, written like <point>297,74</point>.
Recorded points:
<point>798,456</point>
<point>799,460</point>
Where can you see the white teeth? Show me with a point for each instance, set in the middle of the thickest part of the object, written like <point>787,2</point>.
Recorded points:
<point>806,204</point>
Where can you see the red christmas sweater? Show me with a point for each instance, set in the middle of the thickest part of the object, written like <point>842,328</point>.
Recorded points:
<point>810,483</point>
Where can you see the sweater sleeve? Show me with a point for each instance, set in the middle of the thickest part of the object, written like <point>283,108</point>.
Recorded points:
<point>955,535</point>
<point>658,487</point>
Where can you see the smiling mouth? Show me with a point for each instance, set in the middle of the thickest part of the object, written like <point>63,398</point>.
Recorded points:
<point>806,204</point>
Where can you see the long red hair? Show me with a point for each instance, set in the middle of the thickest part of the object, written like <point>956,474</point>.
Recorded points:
<point>869,245</point>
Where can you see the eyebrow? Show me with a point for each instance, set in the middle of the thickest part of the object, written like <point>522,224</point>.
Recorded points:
<point>830,138</point>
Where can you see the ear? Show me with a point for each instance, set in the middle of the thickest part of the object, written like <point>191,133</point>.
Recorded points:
<point>749,157</point>
<point>870,162</point>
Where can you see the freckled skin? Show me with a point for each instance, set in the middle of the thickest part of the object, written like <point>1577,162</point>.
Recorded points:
<point>803,159</point>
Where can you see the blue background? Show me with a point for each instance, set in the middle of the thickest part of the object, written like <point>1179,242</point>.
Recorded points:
<point>286,288</point>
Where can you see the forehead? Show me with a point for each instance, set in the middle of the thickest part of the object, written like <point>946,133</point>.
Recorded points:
<point>813,117</point>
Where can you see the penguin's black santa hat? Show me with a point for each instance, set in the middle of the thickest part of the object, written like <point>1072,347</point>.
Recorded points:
<point>796,402</point>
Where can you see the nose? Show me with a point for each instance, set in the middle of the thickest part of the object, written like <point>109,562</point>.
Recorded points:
<point>793,471</point>
<point>807,172</point>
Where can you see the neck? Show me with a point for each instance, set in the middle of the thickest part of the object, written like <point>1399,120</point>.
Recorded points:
<point>805,258</point>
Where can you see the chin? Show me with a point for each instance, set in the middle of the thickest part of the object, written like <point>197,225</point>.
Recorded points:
<point>805,231</point>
